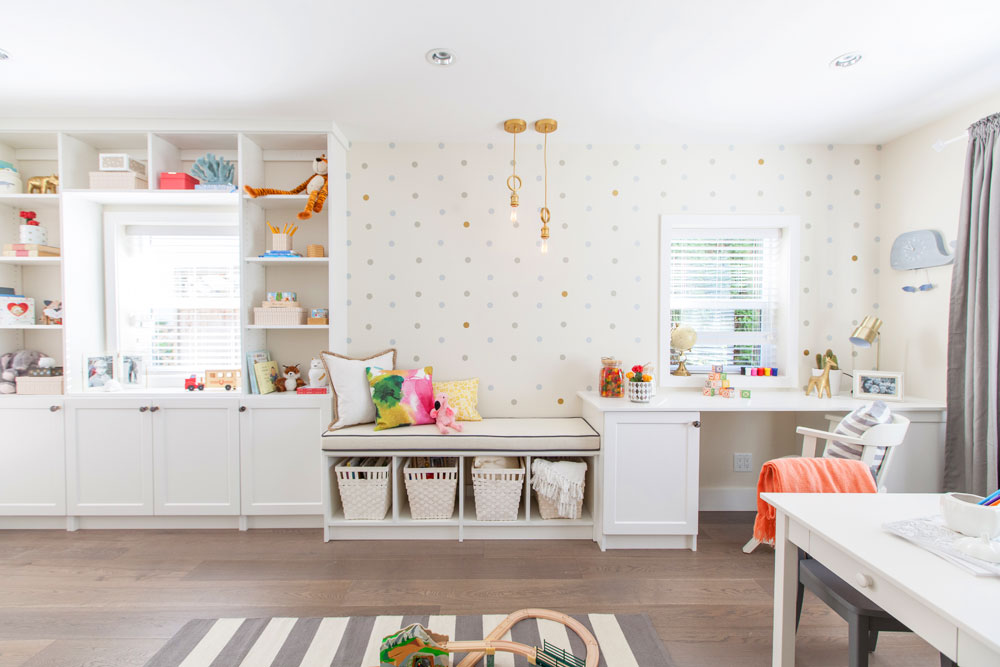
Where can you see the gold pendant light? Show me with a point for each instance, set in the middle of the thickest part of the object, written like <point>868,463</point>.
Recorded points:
<point>515,126</point>
<point>546,126</point>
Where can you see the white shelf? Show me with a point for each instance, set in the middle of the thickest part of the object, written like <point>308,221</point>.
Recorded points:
<point>36,327</point>
<point>149,197</point>
<point>269,202</point>
<point>31,261</point>
<point>285,261</point>
<point>288,326</point>
<point>28,201</point>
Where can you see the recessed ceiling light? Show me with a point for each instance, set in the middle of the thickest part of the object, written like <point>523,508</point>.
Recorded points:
<point>4,55</point>
<point>442,57</point>
<point>846,59</point>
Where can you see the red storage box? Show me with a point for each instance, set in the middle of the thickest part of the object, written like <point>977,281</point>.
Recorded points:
<point>176,180</point>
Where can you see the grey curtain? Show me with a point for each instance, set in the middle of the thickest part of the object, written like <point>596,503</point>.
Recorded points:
<point>974,320</point>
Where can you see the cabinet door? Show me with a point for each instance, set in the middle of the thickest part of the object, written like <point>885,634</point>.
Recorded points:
<point>33,460</point>
<point>651,473</point>
<point>196,456</point>
<point>109,457</point>
<point>281,460</point>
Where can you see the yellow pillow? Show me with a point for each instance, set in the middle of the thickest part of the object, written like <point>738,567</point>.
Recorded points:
<point>463,396</point>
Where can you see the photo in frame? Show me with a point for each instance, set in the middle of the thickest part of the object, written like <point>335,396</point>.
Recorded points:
<point>882,385</point>
<point>133,370</point>
<point>99,369</point>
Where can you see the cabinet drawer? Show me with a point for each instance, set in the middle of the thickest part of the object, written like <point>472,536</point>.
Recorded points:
<point>938,632</point>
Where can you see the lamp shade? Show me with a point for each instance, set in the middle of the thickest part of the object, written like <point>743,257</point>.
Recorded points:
<point>866,332</point>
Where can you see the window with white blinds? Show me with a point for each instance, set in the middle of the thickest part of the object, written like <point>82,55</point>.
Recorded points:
<point>178,293</point>
<point>728,285</point>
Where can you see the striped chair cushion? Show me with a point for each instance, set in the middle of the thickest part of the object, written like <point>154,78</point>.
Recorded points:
<point>856,424</point>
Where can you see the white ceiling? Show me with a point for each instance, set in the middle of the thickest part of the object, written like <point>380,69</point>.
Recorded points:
<point>627,71</point>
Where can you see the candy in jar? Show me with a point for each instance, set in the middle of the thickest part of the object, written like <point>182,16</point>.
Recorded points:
<point>612,378</point>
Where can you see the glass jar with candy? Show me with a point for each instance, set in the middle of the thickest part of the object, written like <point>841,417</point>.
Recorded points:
<point>612,378</point>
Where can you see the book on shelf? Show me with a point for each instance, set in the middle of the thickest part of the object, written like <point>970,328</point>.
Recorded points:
<point>252,359</point>
<point>267,373</point>
<point>281,253</point>
<point>311,390</point>
<point>29,253</point>
<point>37,247</point>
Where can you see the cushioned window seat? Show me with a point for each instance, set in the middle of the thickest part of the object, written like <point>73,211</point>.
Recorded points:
<point>571,434</point>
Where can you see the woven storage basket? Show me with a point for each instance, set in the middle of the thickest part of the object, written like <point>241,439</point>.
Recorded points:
<point>548,508</point>
<point>498,492</point>
<point>279,316</point>
<point>431,491</point>
<point>364,491</point>
<point>39,385</point>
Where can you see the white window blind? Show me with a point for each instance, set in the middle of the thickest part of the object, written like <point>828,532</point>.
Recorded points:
<point>179,297</point>
<point>724,283</point>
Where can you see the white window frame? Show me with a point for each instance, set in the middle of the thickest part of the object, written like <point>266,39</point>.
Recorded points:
<point>788,315</point>
<point>114,223</point>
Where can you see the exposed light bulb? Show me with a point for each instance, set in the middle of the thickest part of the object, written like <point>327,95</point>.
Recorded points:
<point>513,214</point>
<point>545,246</point>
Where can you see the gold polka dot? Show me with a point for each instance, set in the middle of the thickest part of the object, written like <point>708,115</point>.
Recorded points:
<point>760,161</point>
<point>465,224</point>
<point>465,324</point>
<point>565,293</point>
<point>614,193</point>
<point>805,353</point>
<point>365,197</point>
<point>854,258</point>
<point>560,401</point>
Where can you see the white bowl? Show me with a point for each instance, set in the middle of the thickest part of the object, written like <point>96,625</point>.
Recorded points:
<point>963,515</point>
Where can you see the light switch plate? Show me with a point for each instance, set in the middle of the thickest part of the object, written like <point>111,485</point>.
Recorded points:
<point>742,462</point>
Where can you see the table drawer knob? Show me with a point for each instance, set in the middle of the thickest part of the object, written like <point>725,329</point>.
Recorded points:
<point>863,580</point>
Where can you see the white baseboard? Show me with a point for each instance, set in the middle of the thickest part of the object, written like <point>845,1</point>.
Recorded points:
<point>156,522</point>
<point>728,499</point>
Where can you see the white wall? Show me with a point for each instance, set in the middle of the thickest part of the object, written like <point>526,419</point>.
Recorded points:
<point>418,274</point>
<point>921,189</point>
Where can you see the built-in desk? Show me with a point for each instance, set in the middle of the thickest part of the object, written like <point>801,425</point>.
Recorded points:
<point>650,453</point>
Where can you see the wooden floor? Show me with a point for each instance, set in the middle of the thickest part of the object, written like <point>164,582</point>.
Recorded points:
<point>114,597</point>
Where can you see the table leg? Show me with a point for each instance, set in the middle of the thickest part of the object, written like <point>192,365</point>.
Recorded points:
<point>786,577</point>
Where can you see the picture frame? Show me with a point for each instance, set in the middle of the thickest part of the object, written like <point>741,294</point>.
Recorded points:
<point>878,385</point>
<point>98,370</point>
<point>133,370</point>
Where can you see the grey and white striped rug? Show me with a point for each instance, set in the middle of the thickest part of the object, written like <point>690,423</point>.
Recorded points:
<point>626,640</point>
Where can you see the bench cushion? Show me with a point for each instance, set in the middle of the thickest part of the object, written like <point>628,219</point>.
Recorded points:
<point>515,435</point>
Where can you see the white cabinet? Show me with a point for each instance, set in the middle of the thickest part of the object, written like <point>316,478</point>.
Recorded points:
<point>109,457</point>
<point>650,472</point>
<point>281,458</point>
<point>196,456</point>
<point>33,459</point>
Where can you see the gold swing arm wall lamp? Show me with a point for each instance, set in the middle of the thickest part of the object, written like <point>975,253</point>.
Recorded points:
<point>515,126</point>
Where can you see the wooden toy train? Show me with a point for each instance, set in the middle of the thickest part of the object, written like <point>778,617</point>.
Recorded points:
<point>416,646</point>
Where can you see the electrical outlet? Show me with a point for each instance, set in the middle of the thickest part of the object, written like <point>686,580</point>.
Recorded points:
<point>743,462</point>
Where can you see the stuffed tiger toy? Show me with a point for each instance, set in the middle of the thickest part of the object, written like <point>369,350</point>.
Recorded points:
<point>315,185</point>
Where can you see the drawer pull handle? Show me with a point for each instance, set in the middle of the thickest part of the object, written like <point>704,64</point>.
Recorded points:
<point>696,424</point>
<point>863,580</point>
<point>243,408</point>
<point>144,408</point>
<point>55,408</point>
<point>155,408</point>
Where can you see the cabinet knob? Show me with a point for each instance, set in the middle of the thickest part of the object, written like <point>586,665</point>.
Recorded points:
<point>863,580</point>
<point>55,408</point>
<point>696,424</point>
<point>144,408</point>
<point>155,408</point>
<point>243,408</point>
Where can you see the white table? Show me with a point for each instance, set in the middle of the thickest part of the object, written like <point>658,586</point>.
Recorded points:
<point>953,611</point>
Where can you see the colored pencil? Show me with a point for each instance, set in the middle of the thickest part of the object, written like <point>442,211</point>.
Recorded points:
<point>990,499</point>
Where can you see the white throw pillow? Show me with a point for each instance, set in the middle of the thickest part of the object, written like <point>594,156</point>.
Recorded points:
<point>856,424</point>
<point>352,397</point>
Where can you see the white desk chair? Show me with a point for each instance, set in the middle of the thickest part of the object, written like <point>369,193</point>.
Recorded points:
<point>886,435</point>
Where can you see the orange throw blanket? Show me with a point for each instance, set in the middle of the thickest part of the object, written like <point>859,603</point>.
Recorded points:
<point>807,475</point>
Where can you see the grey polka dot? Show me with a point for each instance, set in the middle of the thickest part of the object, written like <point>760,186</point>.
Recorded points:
<point>513,325</point>
<point>413,164</point>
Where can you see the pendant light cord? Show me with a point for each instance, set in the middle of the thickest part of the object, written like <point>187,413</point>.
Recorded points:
<point>545,162</point>
<point>514,160</point>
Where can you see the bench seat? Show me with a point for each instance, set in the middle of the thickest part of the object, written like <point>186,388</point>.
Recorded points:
<point>571,434</point>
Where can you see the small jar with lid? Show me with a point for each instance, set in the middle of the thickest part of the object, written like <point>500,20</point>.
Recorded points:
<point>612,378</point>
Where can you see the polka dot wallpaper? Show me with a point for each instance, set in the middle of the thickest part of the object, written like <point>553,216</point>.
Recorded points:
<point>438,271</point>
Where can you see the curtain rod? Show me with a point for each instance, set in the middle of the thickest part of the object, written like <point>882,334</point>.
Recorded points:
<point>939,145</point>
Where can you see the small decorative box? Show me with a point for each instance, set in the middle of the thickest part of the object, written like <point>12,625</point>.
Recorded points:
<point>117,180</point>
<point>33,234</point>
<point>176,180</point>
<point>318,320</point>
<point>120,162</point>
<point>319,312</point>
<point>16,310</point>
<point>282,296</point>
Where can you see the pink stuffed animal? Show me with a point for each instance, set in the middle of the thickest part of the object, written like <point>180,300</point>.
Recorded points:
<point>444,414</point>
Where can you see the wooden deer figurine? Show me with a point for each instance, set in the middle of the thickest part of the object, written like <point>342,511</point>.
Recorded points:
<point>822,381</point>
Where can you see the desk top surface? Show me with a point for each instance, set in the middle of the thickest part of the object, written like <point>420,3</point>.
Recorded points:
<point>768,400</point>
<point>854,522</point>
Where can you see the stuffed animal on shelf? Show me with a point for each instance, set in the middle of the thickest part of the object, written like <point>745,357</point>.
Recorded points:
<point>444,414</point>
<point>315,185</point>
<point>15,364</point>
<point>291,381</point>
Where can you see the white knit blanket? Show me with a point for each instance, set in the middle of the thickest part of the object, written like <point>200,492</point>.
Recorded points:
<point>560,481</point>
